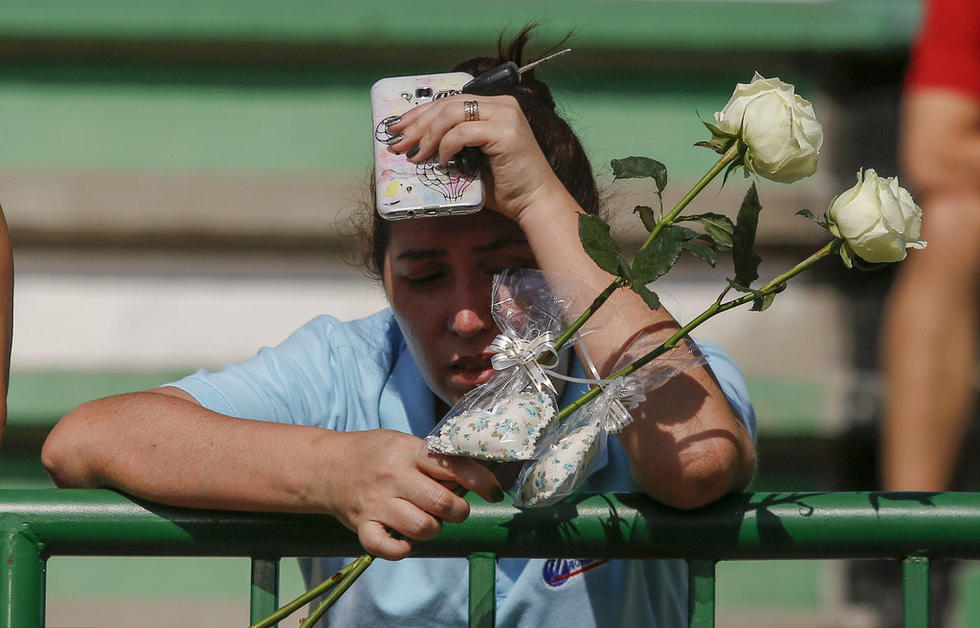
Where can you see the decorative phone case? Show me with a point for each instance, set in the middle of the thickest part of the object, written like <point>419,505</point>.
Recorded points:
<point>407,190</point>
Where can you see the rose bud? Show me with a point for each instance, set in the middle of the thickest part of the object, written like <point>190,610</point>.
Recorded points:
<point>877,219</point>
<point>781,133</point>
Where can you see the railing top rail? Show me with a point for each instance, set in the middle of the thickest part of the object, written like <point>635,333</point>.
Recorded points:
<point>747,525</point>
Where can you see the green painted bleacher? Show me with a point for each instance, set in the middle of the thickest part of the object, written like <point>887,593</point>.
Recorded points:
<point>613,24</point>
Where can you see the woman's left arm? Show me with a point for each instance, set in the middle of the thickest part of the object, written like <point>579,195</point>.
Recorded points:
<point>687,447</point>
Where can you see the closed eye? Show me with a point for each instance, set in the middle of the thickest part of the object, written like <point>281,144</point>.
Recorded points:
<point>425,280</point>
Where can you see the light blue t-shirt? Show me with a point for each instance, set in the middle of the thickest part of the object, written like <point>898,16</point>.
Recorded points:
<point>360,375</point>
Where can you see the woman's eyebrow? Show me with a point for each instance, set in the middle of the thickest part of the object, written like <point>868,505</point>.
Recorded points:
<point>421,254</point>
<point>502,243</point>
<point>489,247</point>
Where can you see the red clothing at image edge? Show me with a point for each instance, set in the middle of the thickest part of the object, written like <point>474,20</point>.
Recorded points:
<point>947,51</point>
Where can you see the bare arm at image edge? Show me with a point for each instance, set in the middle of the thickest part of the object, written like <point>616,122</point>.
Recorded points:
<point>6,317</point>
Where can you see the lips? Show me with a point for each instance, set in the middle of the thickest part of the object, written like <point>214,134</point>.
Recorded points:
<point>471,370</point>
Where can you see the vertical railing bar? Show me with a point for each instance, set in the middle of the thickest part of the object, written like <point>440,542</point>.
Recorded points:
<point>44,590</point>
<point>915,592</point>
<point>483,590</point>
<point>22,582</point>
<point>701,593</point>
<point>264,595</point>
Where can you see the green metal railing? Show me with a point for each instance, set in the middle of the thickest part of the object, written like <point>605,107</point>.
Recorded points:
<point>911,527</point>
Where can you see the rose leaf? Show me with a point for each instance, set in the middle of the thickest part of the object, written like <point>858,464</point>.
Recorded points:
<point>599,244</point>
<point>646,216</point>
<point>702,250</point>
<point>761,301</point>
<point>640,167</point>
<point>718,226</point>
<point>649,296</point>
<point>821,222</point>
<point>660,256</point>
<point>743,239</point>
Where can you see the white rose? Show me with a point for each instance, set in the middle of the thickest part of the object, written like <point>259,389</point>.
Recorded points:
<point>877,219</point>
<point>782,135</point>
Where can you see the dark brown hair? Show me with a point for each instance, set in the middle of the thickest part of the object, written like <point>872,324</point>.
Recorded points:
<point>558,142</point>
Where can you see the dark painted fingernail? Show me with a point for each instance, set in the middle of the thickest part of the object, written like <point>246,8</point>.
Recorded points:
<point>496,495</point>
<point>412,152</point>
<point>394,139</point>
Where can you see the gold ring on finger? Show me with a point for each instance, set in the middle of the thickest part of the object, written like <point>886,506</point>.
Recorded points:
<point>471,111</point>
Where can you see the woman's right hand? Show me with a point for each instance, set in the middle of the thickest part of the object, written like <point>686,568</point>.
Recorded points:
<point>521,176</point>
<point>389,480</point>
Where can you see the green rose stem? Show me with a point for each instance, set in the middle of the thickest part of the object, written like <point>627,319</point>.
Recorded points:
<point>717,307</point>
<point>357,567</point>
<point>313,593</point>
<point>339,582</point>
<point>734,152</point>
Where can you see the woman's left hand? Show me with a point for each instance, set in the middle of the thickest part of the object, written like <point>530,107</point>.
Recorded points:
<point>520,174</point>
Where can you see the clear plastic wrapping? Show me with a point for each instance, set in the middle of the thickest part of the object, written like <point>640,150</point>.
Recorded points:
<point>570,452</point>
<point>504,419</point>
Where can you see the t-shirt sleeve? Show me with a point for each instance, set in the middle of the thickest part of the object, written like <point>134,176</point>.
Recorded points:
<point>299,381</point>
<point>946,54</point>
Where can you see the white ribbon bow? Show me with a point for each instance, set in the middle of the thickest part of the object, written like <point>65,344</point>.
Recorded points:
<point>620,394</point>
<point>511,350</point>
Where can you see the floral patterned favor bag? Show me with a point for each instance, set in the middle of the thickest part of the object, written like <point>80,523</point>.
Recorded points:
<point>570,452</point>
<point>504,419</point>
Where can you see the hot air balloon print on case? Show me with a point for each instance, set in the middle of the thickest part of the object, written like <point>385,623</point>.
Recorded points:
<point>449,180</point>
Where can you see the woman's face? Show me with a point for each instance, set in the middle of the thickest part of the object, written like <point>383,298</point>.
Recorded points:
<point>437,275</point>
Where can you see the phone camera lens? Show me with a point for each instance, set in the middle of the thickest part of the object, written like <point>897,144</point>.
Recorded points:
<point>423,92</point>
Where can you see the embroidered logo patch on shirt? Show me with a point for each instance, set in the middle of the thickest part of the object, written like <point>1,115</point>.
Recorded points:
<point>558,571</point>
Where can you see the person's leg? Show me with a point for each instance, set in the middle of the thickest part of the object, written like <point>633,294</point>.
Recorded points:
<point>930,349</point>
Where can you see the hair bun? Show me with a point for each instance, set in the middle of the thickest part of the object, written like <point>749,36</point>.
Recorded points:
<point>529,87</point>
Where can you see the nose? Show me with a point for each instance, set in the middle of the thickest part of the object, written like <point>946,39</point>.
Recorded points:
<point>468,323</point>
<point>471,312</point>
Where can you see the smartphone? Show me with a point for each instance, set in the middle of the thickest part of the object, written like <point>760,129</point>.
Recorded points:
<point>407,190</point>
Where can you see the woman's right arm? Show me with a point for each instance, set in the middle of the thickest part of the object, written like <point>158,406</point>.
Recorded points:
<point>163,446</point>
